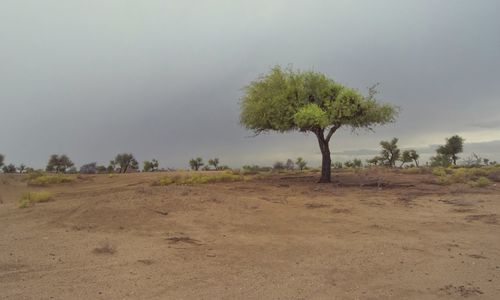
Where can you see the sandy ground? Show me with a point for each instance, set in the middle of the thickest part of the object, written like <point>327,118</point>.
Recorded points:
<point>284,237</point>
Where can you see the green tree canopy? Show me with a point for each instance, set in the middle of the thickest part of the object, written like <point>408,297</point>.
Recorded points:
<point>214,162</point>
<point>126,161</point>
<point>286,100</point>
<point>453,146</point>
<point>196,163</point>
<point>59,163</point>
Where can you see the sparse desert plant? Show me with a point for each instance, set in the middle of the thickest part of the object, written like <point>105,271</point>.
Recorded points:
<point>301,163</point>
<point>254,169</point>
<point>287,100</point>
<point>355,163</point>
<point>289,164</point>
<point>30,198</point>
<point>440,160</point>
<point>196,163</point>
<point>193,179</point>
<point>46,179</point>
<point>481,182</point>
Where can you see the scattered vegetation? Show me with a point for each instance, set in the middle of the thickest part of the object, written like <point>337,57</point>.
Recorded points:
<point>355,163</point>
<point>59,163</point>
<point>30,198</point>
<point>40,179</point>
<point>193,179</point>
<point>474,176</point>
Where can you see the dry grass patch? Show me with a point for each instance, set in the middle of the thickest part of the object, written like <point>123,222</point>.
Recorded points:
<point>30,198</point>
<point>39,179</point>
<point>198,178</point>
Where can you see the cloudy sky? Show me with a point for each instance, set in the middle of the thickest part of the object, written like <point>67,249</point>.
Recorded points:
<point>163,79</point>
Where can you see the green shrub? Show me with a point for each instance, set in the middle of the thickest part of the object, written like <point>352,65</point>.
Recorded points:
<point>481,182</point>
<point>193,179</point>
<point>30,198</point>
<point>44,180</point>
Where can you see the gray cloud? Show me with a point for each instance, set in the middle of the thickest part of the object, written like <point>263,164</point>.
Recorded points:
<point>163,78</point>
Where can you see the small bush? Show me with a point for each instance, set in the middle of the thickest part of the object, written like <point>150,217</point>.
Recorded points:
<point>439,171</point>
<point>481,182</point>
<point>444,180</point>
<point>193,179</point>
<point>34,197</point>
<point>44,180</point>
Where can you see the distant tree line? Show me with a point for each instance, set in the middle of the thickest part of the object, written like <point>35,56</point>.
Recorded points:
<point>390,156</point>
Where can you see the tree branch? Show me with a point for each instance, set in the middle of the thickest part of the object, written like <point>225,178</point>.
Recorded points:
<point>331,132</point>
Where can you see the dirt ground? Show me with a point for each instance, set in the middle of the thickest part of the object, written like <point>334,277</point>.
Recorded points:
<point>283,237</point>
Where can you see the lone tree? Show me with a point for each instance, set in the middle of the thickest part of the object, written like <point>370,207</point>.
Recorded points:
<point>151,166</point>
<point>21,168</point>
<point>390,152</point>
<point>2,157</point>
<point>286,100</point>
<point>454,145</point>
<point>196,163</point>
<point>59,163</point>
<point>414,156</point>
<point>301,163</point>
<point>126,161</point>
<point>214,162</point>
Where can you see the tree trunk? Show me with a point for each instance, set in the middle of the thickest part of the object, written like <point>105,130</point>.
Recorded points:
<point>326,163</point>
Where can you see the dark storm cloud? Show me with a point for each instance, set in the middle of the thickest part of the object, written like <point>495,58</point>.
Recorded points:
<point>163,78</point>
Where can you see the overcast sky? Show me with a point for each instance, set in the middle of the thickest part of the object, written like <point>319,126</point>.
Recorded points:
<point>163,79</point>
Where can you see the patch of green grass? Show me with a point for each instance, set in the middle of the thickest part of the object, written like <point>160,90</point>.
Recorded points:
<point>47,179</point>
<point>198,178</point>
<point>30,198</point>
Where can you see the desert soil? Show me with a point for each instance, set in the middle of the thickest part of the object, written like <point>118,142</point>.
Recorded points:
<point>282,237</point>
